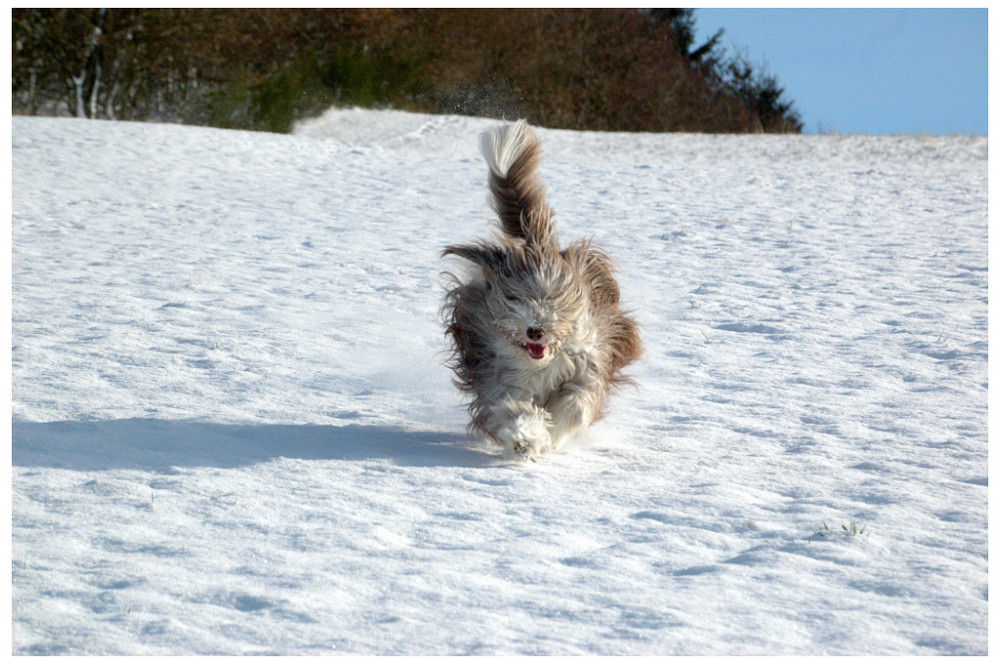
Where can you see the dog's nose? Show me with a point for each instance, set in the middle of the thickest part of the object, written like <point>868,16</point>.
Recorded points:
<point>535,333</point>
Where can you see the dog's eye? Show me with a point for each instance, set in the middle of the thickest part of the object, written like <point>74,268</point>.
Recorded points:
<point>510,298</point>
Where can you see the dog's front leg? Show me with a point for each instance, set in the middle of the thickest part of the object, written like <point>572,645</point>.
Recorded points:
<point>519,425</point>
<point>574,406</point>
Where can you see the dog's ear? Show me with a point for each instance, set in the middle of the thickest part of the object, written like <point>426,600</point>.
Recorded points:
<point>489,257</point>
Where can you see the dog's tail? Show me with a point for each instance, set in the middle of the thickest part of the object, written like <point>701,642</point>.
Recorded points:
<point>512,152</point>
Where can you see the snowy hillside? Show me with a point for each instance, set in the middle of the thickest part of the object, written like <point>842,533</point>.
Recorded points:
<point>233,433</point>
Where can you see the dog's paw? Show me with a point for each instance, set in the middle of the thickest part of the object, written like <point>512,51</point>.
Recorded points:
<point>523,451</point>
<point>520,451</point>
<point>527,437</point>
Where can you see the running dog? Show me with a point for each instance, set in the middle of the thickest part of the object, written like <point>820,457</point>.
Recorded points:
<point>538,336</point>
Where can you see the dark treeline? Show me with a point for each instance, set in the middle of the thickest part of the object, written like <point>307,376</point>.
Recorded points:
<point>613,70</point>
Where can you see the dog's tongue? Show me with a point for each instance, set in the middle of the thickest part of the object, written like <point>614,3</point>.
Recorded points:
<point>537,351</point>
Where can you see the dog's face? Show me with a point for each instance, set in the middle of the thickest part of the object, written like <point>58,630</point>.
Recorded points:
<point>536,302</point>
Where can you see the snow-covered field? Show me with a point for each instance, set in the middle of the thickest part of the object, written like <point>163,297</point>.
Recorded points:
<point>233,433</point>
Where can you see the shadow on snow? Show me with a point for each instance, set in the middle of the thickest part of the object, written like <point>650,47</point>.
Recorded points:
<point>157,445</point>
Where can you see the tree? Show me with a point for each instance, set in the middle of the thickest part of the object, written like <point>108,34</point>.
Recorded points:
<point>610,70</point>
<point>681,24</point>
<point>752,86</point>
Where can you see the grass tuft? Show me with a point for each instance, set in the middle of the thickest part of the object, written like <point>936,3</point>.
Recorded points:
<point>851,529</point>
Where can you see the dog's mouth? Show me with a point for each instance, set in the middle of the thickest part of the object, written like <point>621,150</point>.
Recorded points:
<point>536,350</point>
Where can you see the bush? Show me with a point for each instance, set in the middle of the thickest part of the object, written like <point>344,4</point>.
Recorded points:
<point>348,75</point>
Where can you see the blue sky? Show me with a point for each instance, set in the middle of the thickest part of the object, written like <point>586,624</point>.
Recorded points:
<point>871,71</point>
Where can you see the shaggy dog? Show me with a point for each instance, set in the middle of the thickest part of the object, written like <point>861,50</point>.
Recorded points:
<point>537,333</point>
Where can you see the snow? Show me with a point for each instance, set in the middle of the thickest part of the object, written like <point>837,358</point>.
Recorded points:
<point>233,433</point>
